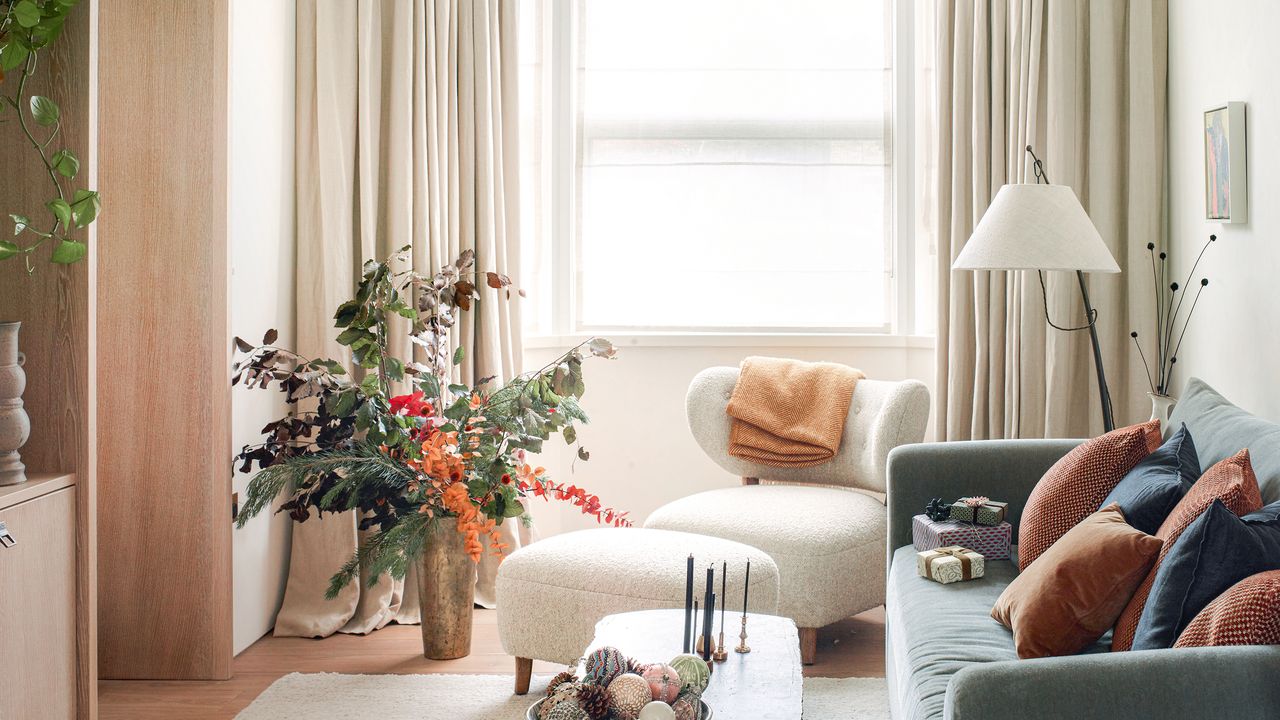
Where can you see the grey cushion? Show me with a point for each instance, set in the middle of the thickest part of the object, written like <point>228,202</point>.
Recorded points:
<point>1221,429</point>
<point>936,630</point>
<point>1153,488</point>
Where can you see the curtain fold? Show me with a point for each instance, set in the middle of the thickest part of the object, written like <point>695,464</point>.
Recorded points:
<point>1084,83</point>
<point>406,134</point>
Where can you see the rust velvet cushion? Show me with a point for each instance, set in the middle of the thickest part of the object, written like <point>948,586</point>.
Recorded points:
<point>1232,481</point>
<point>1248,613</point>
<point>1077,484</point>
<point>1073,593</point>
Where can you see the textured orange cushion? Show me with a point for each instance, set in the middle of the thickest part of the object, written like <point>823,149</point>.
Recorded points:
<point>1248,613</point>
<point>1075,591</point>
<point>1077,484</point>
<point>1232,481</point>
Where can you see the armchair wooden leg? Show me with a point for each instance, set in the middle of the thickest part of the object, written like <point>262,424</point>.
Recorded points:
<point>524,670</point>
<point>808,645</point>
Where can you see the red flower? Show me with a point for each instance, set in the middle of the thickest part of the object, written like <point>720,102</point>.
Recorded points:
<point>411,405</point>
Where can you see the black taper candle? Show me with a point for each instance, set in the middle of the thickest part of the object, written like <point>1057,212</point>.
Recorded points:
<point>695,623</point>
<point>746,585</point>
<point>708,624</point>
<point>688,606</point>
<point>708,607</point>
<point>724,596</point>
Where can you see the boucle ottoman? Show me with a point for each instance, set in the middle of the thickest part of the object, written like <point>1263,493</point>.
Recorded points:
<point>552,593</point>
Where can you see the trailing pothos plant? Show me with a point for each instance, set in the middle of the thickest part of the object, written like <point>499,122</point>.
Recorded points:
<point>27,28</point>
<point>444,449</point>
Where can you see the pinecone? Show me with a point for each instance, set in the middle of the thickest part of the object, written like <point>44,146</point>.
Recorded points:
<point>595,700</point>
<point>635,667</point>
<point>559,680</point>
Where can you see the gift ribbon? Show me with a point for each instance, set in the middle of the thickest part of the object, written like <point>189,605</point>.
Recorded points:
<point>966,564</point>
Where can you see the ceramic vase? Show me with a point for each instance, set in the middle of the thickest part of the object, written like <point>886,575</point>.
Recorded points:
<point>1162,406</point>
<point>15,426</point>
<point>446,592</point>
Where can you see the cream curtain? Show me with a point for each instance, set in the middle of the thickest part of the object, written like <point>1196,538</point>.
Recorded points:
<point>406,133</point>
<point>1084,83</point>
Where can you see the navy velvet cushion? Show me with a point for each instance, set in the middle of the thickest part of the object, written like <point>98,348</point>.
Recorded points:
<point>1216,551</point>
<point>1155,485</point>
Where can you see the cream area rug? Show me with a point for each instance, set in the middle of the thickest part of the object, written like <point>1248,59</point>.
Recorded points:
<point>488,697</point>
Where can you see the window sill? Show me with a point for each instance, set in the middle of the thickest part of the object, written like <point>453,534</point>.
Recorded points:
<point>704,339</point>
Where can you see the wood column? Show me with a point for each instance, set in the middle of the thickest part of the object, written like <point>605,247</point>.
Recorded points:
<point>164,512</point>
<point>56,307</point>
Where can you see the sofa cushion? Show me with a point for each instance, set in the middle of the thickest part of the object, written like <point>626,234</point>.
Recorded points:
<point>1248,613</point>
<point>1074,488</point>
<point>1233,483</point>
<point>1212,554</point>
<point>1221,429</point>
<point>1153,488</point>
<point>934,631</point>
<point>820,537</point>
<point>1073,594</point>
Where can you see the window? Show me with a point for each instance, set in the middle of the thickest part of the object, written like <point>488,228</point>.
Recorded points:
<point>713,166</point>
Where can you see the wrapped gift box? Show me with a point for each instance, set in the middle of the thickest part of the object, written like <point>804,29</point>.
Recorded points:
<point>950,564</point>
<point>988,513</point>
<point>992,541</point>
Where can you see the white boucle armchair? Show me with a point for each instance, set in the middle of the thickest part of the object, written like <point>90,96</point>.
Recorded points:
<point>824,526</point>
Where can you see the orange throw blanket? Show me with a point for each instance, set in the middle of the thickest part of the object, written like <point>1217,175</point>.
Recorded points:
<point>788,413</point>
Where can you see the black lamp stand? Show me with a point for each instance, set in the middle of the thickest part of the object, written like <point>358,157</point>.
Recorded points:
<point>1108,421</point>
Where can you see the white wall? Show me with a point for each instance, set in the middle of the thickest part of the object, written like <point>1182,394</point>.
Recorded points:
<point>642,454</point>
<point>261,223</point>
<point>1221,51</point>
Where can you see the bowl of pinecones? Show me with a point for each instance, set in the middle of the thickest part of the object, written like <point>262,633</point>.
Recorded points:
<point>611,686</point>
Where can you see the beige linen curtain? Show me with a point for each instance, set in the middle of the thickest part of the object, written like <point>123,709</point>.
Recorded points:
<point>1084,83</point>
<point>406,133</point>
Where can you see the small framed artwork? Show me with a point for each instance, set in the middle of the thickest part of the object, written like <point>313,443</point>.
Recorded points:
<point>1226,196</point>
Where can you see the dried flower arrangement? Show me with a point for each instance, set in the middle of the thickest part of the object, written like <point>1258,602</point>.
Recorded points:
<point>445,449</point>
<point>1168,334</point>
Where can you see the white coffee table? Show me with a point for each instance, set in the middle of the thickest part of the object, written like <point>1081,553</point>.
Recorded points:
<point>764,684</point>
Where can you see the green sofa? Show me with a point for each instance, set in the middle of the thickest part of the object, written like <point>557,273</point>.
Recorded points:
<point>946,658</point>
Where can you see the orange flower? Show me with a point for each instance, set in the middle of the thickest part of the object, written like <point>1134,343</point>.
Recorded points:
<point>477,401</point>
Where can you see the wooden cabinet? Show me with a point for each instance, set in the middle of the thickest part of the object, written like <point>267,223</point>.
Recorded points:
<point>38,600</point>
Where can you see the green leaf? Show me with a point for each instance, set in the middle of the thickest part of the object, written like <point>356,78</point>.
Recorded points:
<point>13,54</point>
<point>20,223</point>
<point>350,335</point>
<point>68,251</point>
<point>341,404</point>
<point>458,355</point>
<point>66,163</point>
<point>85,207</point>
<point>49,28</point>
<point>346,313</point>
<point>44,110</point>
<point>570,435</point>
<point>395,368</point>
<point>26,13</point>
<point>366,417</point>
<point>7,249</point>
<point>60,210</point>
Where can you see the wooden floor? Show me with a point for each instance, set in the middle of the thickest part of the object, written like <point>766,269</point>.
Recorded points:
<point>851,648</point>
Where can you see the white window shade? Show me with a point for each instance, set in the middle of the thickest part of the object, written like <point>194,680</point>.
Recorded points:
<point>731,166</point>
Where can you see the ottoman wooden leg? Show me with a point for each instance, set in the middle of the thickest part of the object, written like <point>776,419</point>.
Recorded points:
<point>808,645</point>
<point>524,669</point>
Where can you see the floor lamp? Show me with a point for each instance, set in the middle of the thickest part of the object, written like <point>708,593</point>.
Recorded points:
<point>1043,227</point>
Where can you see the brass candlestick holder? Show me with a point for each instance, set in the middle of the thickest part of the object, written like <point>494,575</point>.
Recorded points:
<point>742,638</point>
<point>720,655</point>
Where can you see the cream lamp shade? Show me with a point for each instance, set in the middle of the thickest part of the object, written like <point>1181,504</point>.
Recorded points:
<point>1036,227</point>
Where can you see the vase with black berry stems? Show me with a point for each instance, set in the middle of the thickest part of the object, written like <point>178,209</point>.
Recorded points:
<point>1161,406</point>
